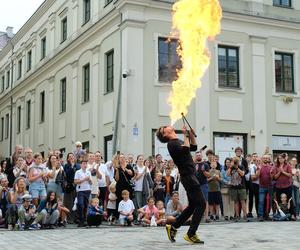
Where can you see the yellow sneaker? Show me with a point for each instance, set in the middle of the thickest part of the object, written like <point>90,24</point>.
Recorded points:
<point>171,231</point>
<point>193,239</point>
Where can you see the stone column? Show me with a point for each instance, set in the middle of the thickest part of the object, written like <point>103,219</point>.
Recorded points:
<point>51,112</point>
<point>33,132</point>
<point>75,26</point>
<point>74,101</point>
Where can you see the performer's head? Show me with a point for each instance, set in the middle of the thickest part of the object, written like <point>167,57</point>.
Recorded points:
<point>165,133</point>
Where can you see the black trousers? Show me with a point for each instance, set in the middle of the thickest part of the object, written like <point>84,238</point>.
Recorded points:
<point>196,205</point>
<point>94,220</point>
<point>253,194</point>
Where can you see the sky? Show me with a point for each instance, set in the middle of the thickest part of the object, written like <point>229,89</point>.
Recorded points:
<point>15,13</point>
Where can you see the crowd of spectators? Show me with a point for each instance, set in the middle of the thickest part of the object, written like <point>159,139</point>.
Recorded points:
<point>39,192</point>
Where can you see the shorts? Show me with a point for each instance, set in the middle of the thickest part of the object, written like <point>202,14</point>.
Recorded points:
<point>238,194</point>
<point>123,221</point>
<point>37,190</point>
<point>204,189</point>
<point>214,198</point>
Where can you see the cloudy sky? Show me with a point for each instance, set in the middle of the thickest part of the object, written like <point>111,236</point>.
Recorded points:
<point>15,13</point>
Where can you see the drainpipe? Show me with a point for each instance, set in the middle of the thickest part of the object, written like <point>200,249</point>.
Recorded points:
<point>118,121</point>
<point>11,99</point>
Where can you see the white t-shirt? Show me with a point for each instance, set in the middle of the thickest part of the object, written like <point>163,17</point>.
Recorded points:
<point>139,182</point>
<point>90,166</point>
<point>252,170</point>
<point>103,171</point>
<point>125,207</point>
<point>110,170</point>
<point>80,175</point>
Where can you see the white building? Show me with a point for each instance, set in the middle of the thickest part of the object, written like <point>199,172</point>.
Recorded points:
<point>59,82</point>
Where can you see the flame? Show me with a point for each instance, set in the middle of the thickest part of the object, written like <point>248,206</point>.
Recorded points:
<point>194,21</point>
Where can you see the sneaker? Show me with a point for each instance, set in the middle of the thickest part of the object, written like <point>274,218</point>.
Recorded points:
<point>211,218</point>
<point>250,215</point>
<point>226,218</point>
<point>21,227</point>
<point>193,239</point>
<point>171,231</point>
<point>207,221</point>
<point>10,227</point>
<point>33,226</point>
<point>217,218</point>
<point>260,219</point>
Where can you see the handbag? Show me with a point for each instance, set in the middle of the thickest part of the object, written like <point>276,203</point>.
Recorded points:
<point>131,182</point>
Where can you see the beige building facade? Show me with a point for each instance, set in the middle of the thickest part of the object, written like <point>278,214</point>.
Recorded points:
<point>85,70</point>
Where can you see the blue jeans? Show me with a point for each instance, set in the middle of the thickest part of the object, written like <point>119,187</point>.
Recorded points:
<point>82,204</point>
<point>262,196</point>
<point>296,199</point>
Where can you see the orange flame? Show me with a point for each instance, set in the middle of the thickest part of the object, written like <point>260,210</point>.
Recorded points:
<point>194,21</point>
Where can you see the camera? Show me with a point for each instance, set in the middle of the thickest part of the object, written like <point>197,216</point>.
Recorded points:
<point>125,73</point>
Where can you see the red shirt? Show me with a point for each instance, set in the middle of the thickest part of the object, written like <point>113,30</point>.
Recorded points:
<point>265,180</point>
<point>283,181</point>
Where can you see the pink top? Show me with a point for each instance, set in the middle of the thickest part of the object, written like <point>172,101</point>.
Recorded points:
<point>283,181</point>
<point>149,212</point>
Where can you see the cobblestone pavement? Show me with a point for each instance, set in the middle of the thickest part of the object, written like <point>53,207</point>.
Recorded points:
<point>267,235</point>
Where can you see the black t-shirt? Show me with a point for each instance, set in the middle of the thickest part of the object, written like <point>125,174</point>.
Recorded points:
<point>182,157</point>
<point>200,168</point>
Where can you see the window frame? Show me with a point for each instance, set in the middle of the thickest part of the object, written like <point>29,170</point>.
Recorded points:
<point>42,106</point>
<point>6,135</point>
<point>282,54</point>
<point>2,84</point>
<point>28,114</point>
<point>29,60</point>
<point>7,79</point>
<point>108,67</point>
<point>2,129</point>
<point>20,62</point>
<point>43,47</point>
<point>86,11</point>
<point>64,29</point>
<point>280,4</point>
<point>172,39</point>
<point>107,2</point>
<point>227,47</point>
<point>86,79</point>
<point>63,96</point>
<point>19,115</point>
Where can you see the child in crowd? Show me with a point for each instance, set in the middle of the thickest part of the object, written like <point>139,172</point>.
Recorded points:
<point>112,204</point>
<point>126,209</point>
<point>214,191</point>
<point>48,211</point>
<point>174,208</point>
<point>63,212</point>
<point>27,214</point>
<point>283,209</point>
<point>159,188</point>
<point>169,182</point>
<point>147,212</point>
<point>161,213</point>
<point>95,213</point>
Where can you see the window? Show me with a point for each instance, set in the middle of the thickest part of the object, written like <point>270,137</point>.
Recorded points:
<point>42,106</point>
<point>108,2</point>
<point>86,11</point>
<point>19,68</point>
<point>282,3</point>
<point>63,95</point>
<point>228,66</point>
<point>28,111</point>
<point>7,79</point>
<point>19,119</point>
<point>2,129</point>
<point>86,83</point>
<point>86,146</point>
<point>2,84</point>
<point>168,59</point>
<point>43,48</point>
<point>6,126</point>
<point>109,71</point>
<point>29,60</point>
<point>64,29</point>
<point>284,72</point>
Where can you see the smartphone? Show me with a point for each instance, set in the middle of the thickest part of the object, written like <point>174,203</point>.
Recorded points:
<point>203,148</point>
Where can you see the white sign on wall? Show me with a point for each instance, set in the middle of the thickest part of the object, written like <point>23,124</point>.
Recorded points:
<point>290,143</point>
